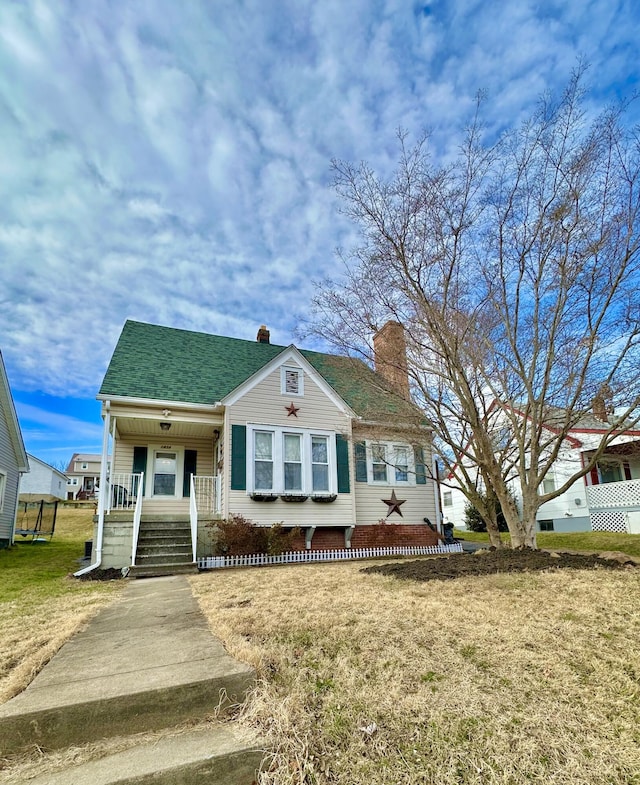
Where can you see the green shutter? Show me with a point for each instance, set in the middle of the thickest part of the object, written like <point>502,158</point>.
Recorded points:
<point>190,465</point>
<point>140,462</point>
<point>421,470</point>
<point>360,453</point>
<point>342,459</point>
<point>238,457</point>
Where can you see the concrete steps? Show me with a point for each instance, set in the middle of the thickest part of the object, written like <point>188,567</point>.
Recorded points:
<point>212,754</point>
<point>164,548</point>
<point>147,663</point>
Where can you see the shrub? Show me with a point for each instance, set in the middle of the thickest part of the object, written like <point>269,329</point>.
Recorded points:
<point>239,536</point>
<point>475,522</point>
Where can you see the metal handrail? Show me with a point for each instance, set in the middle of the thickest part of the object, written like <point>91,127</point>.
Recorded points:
<point>137,513</point>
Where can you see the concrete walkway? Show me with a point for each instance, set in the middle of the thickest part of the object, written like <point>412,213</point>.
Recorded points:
<point>146,662</point>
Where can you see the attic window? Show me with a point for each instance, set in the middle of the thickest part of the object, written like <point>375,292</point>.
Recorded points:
<point>291,381</point>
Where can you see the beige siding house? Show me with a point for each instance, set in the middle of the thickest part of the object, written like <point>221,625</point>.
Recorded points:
<point>202,427</point>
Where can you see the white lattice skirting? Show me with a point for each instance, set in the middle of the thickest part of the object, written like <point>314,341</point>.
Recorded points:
<point>609,521</point>
<point>300,557</point>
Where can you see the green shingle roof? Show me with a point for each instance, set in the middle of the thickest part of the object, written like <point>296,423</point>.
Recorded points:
<point>167,364</point>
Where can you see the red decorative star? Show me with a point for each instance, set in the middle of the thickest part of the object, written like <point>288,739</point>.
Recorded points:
<point>292,409</point>
<point>394,504</point>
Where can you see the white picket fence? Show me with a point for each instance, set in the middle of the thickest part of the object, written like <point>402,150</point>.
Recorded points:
<point>299,557</point>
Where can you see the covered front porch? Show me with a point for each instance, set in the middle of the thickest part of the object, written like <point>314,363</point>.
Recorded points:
<point>163,484</point>
<point>613,489</point>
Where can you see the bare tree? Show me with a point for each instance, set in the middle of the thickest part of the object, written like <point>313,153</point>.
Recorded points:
<point>515,270</point>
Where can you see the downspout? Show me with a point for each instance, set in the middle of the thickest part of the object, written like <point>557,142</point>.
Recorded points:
<point>17,506</point>
<point>102,500</point>
<point>436,483</point>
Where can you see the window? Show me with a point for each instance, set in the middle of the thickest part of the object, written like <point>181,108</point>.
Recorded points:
<point>164,474</point>
<point>263,468</point>
<point>84,466</point>
<point>390,463</point>
<point>401,463</point>
<point>610,471</point>
<point>548,484</point>
<point>320,463</point>
<point>291,381</point>
<point>546,526</point>
<point>447,498</point>
<point>291,461</point>
<point>3,486</point>
<point>379,462</point>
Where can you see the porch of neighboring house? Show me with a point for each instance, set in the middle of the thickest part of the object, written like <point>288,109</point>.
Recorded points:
<point>613,490</point>
<point>163,487</point>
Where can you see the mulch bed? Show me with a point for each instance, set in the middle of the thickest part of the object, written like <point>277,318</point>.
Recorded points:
<point>490,562</point>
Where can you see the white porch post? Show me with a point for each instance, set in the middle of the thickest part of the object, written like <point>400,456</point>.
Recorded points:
<point>104,491</point>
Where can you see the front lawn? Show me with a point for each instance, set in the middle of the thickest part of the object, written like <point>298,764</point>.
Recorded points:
<point>41,606</point>
<point>495,680</point>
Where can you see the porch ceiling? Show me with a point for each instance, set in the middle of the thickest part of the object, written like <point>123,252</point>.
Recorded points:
<point>624,450</point>
<point>141,426</point>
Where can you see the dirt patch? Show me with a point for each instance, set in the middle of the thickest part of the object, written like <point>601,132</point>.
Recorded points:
<point>110,574</point>
<point>462,565</point>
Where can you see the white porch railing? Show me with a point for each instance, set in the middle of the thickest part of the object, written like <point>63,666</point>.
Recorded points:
<point>299,557</point>
<point>614,495</point>
<point>207,494</point>
<point>124,489</point>
<point>137,514</point>
<point>193,514</point>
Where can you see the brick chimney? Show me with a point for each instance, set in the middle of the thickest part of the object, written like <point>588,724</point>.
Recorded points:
<point>263,334</point>
<point>601,404</point>
<point>390,357</point>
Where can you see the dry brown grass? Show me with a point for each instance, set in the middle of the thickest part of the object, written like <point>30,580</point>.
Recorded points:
<point>41,606</point>
<point>505,679</point>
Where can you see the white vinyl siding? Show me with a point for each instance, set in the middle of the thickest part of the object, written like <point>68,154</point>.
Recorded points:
<point>265,407</point>
<point>3,485</point>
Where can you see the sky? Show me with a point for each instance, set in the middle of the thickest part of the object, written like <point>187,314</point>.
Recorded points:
<point>170,162</point>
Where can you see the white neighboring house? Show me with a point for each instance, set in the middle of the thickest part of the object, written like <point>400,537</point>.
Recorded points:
<point>43,483</point>
<point>606,499</point>
<point>13,460</point>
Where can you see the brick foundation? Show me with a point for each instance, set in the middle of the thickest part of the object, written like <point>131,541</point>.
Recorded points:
<point>372,536</point>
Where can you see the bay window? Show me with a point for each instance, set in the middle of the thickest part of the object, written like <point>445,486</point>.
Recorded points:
<point>295,461</point>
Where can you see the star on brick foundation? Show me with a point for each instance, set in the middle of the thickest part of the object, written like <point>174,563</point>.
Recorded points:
<point>393,504</point>
<point>292,409</point>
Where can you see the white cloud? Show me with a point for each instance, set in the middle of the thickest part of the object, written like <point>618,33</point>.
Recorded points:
<point>171,162</point>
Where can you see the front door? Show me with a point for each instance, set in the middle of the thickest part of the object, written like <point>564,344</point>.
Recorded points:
<point>164,473</point>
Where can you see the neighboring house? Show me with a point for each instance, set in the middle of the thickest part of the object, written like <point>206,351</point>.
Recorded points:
<point>83,475</point>
<point>606,499</point>
<point>202,427</point>
<point>43,483</point>
<point>13,460</point>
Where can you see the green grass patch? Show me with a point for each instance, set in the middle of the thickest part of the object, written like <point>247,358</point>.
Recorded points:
<point>570,541</point>
<point>30,565</point>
